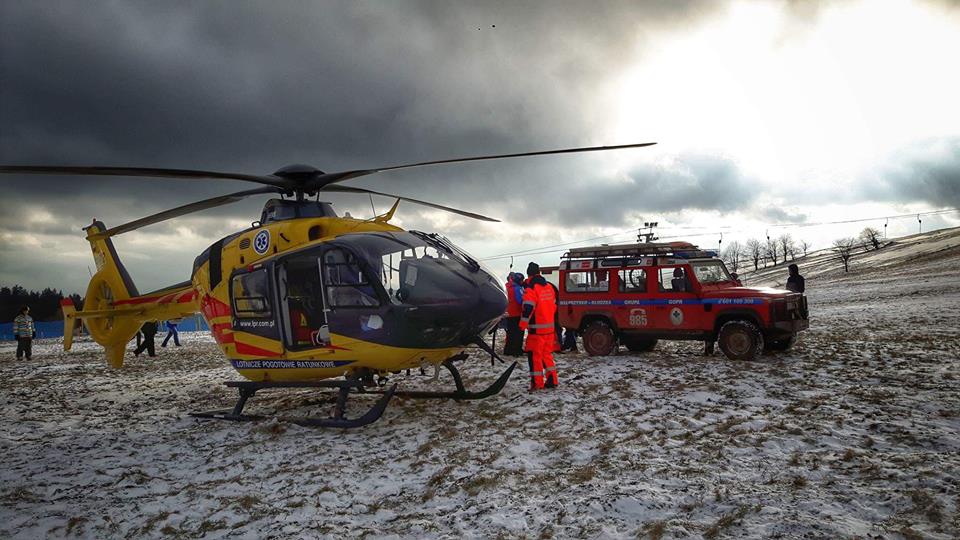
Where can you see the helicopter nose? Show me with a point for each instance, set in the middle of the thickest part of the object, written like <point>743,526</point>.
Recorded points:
<point>492,302</point>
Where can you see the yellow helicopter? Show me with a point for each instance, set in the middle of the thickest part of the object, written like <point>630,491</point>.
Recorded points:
<point>305,296</point>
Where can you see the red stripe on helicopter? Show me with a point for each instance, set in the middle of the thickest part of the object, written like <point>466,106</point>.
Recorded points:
<point>211,307</point>
<point>180,297</point>
<point>222,332</point>
<point>244,348</point>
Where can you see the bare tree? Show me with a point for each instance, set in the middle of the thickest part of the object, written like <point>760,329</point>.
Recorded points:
<point>772,250</point>
<point>804,246</point>
<point>755,250</point>
<point>786,245</point>
<point>872,236</point>
<point>734,255</point>
<point>844,248</point>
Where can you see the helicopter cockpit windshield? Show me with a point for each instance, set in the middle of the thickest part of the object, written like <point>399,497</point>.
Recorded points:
<point>414,267</point>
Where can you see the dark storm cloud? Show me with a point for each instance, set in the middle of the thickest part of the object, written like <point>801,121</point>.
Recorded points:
<point>696,182</point>
<point>928,172</point>
<point>778,215</point>
<point>235,86</point>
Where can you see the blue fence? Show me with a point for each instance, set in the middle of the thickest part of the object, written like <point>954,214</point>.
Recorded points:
<point>55,329</point>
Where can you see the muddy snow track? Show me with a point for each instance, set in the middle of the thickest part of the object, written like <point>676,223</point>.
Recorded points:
<point>856,432</point>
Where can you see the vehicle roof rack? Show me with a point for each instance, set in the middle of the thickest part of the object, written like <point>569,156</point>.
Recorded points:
<point>684,250</point>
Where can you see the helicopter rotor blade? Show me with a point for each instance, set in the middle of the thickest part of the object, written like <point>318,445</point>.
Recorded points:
<point>145,172</point>
<point>348,189</point>
<point>330,178</point>
<point>184,210</point>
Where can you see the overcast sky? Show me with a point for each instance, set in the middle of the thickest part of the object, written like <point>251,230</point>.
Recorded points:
<point>770,117</point>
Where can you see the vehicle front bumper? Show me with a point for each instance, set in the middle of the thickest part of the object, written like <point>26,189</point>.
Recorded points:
<point>792,327</point>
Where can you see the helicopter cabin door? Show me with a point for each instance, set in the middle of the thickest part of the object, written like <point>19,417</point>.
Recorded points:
<point>304,314</point>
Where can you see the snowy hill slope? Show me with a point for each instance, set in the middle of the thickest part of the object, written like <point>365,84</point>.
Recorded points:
<point>935,251</point>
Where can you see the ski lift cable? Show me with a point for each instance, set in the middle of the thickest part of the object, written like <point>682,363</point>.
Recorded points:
<point>539,249</point>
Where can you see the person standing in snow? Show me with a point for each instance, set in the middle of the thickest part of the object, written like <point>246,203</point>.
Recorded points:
<point>149,330</point>
<point>539,308</point>
<point>513,346</point>
<point>172,332</point>
<point>24,331</point>
<point>795,282</point>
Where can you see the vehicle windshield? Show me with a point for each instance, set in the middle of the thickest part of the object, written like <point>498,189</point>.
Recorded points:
<point>708,272</point>
<point>413,267</point>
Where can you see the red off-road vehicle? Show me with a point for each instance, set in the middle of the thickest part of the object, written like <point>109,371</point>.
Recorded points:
<point>637,294</point>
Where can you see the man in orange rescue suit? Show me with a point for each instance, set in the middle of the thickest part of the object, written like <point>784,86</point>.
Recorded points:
<point>539,307</point>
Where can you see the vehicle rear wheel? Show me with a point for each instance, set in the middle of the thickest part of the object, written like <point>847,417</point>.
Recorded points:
<point>740,340</point>
<point>598,339</point>
<point>780,345</point>
<point>638,344</point>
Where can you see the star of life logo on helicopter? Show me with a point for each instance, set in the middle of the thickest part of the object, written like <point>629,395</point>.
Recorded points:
<point>262,242</point>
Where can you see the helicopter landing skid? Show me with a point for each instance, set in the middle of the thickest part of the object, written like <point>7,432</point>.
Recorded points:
<point>248,388</point>
<point>461,392</point>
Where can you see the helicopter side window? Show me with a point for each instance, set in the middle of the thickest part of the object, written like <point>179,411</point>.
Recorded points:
<point>250,292</point>
<point>347,285</point>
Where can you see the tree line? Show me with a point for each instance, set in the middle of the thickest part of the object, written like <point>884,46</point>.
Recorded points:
<point>779,250</point>
<point>44,305</point>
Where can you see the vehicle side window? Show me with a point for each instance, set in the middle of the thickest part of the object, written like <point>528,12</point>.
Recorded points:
<point>588,281</point>
<point>250,295</point>
<point>633,280</point>
<point>674,279</point>
<point>346,284</point>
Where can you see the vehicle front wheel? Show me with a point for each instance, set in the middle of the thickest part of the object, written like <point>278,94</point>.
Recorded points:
<point>635,344</point>
<point>598,339</point>
<point>781,345</point>
<point>740,340</point>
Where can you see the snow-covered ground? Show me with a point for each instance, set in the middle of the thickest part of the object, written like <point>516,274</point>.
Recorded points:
<point>855,433</point>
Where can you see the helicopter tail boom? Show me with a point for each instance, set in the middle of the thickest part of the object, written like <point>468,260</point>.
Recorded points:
<point>114,310</point>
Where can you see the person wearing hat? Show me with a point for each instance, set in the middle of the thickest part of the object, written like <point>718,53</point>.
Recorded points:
<point>537,317</point>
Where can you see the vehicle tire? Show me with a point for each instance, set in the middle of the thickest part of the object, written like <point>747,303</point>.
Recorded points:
<point>638,344</point>
<point>598,339</point>
<point>780,345</point>
<point>740,340</point>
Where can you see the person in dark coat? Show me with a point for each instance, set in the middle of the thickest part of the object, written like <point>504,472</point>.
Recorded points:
<point>149,331</point>
<point>795,282</point>
<point>569,340</point>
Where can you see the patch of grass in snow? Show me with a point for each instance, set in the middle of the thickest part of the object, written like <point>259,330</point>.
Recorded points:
<point>75,523</point>
<point>727,520</point>
<point>153,521</point>
<point>910,534</point>
<point>653,531</point>
<point>20,494</point>
<point>434,482</point>
<point>582,475</point>
<point>210,526</point>
<point>247,502</point>
<point>546,532</point>
<point>475,485</point>
<point>925,504</point>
